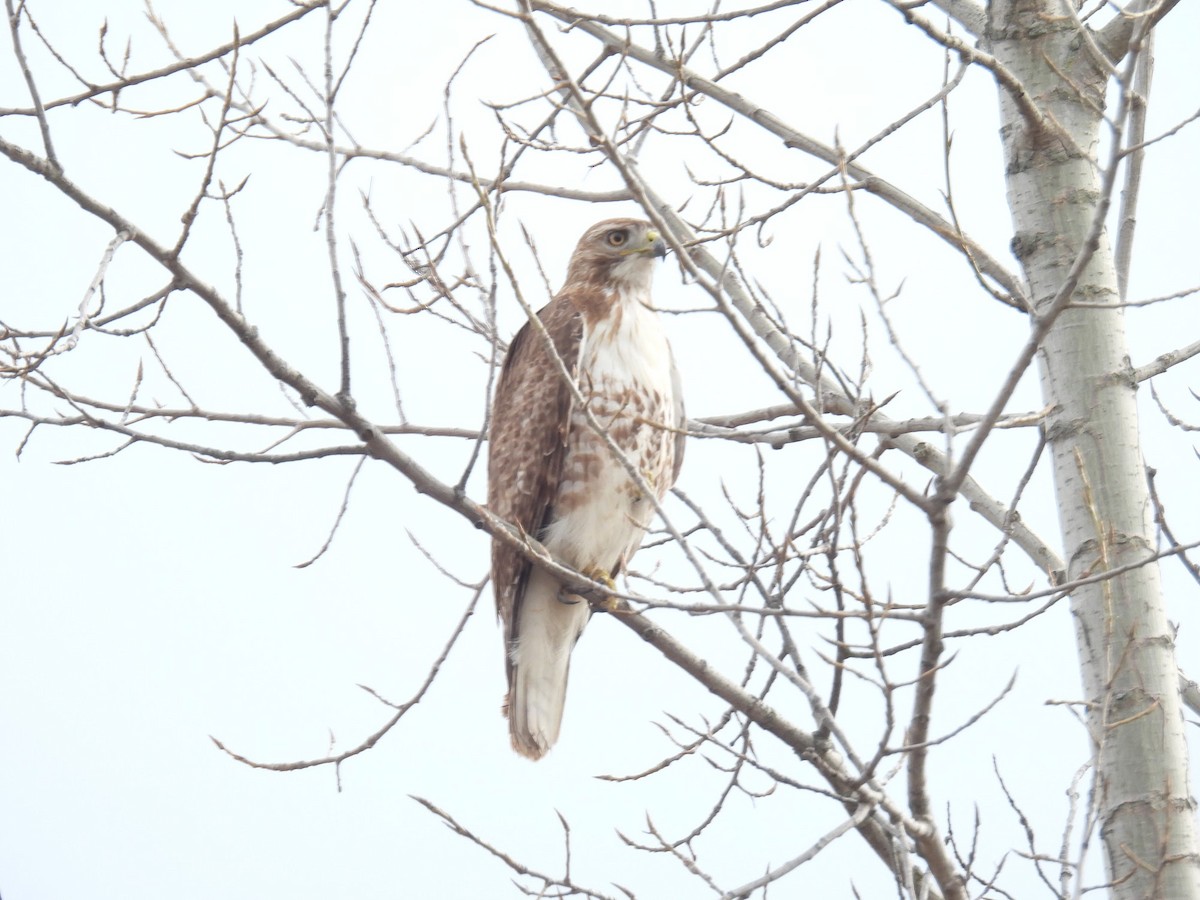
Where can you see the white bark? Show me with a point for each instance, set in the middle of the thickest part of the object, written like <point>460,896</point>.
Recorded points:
<point>1126,646</point>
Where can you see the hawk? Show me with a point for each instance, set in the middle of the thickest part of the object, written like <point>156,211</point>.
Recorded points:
<point>553,474</point>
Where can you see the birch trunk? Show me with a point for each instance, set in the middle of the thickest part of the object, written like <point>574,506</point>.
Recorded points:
<point>1142,803</point>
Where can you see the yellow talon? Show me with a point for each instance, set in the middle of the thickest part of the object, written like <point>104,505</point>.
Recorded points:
<point>600,575</point>
<point>607,604</point>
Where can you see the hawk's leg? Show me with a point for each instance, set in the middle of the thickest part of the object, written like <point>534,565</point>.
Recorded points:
<point>609,604</point>
<point>565,596</point>
<point>595,573</point>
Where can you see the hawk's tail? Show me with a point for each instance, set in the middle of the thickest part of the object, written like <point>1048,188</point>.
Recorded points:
<point>546,632</point>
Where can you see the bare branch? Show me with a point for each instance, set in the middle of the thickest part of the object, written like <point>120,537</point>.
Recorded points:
<point>14,29</point>
<point>1142,76</point>
<point>794,139</point>
<point>336,759</point>
<point>183,65</point>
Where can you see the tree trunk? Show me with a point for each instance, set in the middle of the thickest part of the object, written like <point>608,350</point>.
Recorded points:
<point>1126,646</point>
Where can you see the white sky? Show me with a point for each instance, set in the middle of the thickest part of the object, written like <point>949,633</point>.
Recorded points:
<point>150,601</point>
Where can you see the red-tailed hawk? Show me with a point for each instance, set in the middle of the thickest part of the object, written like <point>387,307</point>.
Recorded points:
<point>553,475</point>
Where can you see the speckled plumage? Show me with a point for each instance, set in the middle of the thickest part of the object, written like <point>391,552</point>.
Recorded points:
<point>551,474</point>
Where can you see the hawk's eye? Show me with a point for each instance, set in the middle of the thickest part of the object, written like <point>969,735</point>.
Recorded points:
<point>617,238</point>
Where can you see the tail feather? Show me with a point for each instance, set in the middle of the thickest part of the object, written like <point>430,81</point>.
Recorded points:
<point>546,632</point>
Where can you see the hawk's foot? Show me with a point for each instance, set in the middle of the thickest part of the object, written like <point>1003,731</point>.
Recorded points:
<point>605,604</point>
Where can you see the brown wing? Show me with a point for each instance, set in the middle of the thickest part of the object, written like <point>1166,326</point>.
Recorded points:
<point>680,422</point>
<point>527,441</point>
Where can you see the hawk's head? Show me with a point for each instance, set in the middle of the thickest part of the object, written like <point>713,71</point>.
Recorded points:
<point>616,252</point>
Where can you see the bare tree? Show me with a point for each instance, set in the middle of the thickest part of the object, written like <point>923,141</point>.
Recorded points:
<point>813,522</point>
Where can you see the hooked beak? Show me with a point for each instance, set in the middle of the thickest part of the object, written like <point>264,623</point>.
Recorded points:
<point>655,245</point>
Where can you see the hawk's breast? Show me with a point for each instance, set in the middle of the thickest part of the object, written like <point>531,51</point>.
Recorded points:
<point>600,513</point>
